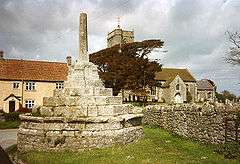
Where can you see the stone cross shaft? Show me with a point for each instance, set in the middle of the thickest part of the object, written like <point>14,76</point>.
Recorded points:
<point>83,41</point>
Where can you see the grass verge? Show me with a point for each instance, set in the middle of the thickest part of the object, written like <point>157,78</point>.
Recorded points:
<point>158,146</point>
<point>9,124</point>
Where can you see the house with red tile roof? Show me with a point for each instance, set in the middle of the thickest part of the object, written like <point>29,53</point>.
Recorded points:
<point>25,82</point>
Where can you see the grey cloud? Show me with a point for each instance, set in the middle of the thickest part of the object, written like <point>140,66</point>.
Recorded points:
<point>193,31</point>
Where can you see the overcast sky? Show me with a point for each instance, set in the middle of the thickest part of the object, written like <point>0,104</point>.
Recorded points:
<point>193,31</point>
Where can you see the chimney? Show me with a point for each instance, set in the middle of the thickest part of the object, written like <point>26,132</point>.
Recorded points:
<point>69,60</point>
<point>1,54</point>
<point>83,41</point>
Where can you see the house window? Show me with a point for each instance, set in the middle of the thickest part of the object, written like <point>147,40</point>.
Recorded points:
<point>15,85</point>
<point>29,104</point>
<point>59,85</point>
<point>30,86</point>
<point>177,87</point>
<point>187,86</point>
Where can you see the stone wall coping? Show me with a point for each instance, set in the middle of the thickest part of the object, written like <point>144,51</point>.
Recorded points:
<point>95,119</point>
<point>204,108</point>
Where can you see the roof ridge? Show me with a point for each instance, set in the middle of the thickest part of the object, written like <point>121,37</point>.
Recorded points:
<point>191,75</point>
<point>28,60</point>
<point>173,68</point>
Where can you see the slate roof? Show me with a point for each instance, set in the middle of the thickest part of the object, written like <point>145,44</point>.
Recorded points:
<point>11,69</point>
<point>205,84</point>
<point>170,73</point>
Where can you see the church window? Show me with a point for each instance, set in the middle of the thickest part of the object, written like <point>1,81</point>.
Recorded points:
<point>177,87</point>
<point>209,94</point>
<point>187,87</point>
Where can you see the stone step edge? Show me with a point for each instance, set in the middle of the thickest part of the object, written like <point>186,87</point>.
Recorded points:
<point>23,131</point>
<point>93,119</point>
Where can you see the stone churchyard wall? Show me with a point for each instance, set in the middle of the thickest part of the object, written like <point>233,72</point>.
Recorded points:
<point>215,124</point>
<point>112,125</point>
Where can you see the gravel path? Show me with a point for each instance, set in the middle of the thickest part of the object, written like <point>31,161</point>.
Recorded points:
<point>8,137</point>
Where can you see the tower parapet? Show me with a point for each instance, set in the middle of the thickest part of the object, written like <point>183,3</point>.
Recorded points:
<point>119,36</point>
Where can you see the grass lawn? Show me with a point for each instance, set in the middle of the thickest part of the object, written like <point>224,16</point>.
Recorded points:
<point>9,124</point>
<point>158,146</point>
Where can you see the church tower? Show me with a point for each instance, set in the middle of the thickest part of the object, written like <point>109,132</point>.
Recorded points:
<point>119,36</point>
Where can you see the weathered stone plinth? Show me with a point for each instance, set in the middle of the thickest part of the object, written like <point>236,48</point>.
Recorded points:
<point>77,134</point>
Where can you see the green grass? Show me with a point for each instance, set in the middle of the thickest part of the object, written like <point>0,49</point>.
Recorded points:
<point>9,124</point>
<point>11,149</point>
<point>158,146</point>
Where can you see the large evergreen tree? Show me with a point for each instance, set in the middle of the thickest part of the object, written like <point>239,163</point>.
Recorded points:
<point>127,66</point>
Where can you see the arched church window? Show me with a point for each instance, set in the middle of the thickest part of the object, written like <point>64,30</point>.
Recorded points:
<point>209,94</point>
<point>177,87</point>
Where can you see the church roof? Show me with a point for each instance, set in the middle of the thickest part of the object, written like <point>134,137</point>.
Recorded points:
<point>170,73</point>
<point>205,84</point>
<point>12,69</point>
<point>167,83</point>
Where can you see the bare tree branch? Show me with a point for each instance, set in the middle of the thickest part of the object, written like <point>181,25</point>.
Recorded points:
<point>233,55</point>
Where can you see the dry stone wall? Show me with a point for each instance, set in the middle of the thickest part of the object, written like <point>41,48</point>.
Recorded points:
<point>215,124</point>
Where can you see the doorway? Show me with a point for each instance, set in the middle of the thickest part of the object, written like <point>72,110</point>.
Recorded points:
<point>178,98</point>
<point>11,106</point>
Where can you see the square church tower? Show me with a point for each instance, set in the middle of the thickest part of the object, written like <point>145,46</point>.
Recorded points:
<point>119,36</point>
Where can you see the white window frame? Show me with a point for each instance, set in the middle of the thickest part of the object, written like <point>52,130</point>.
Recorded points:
<point>29,104</point>
<point>30,86</point>
<point>16,85</point>
<point>59,85</point>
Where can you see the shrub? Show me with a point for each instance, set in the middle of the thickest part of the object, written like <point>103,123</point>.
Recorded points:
<point>230,150</point>
<point>24,110</point>
<point>139,104</point>
<point>13,116</point>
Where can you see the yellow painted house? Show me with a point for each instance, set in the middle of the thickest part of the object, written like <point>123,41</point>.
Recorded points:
<point>24,83</point>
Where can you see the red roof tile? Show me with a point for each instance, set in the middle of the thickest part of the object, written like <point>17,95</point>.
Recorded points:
<point>11,69</point>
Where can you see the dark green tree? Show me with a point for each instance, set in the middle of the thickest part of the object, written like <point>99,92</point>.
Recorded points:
<point>225,95</point>
<point>127,66</point>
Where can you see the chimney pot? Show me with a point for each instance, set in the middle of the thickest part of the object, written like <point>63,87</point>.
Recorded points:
<point>69,60</point>
<point>1,54</point>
